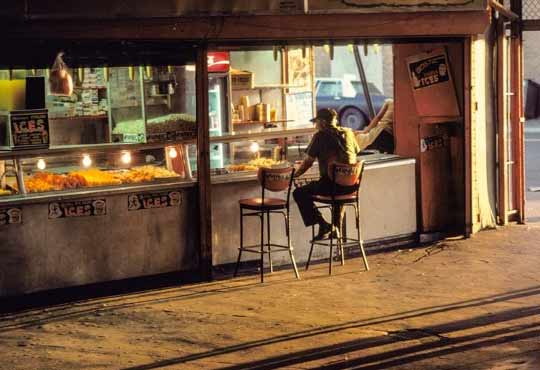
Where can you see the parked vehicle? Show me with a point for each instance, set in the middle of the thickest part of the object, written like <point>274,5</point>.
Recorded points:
<point>347,98</point>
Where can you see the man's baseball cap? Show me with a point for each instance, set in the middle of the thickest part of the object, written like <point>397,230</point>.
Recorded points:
<point>325,114</point>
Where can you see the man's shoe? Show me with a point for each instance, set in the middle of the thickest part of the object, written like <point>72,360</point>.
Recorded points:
<point>324,231</point>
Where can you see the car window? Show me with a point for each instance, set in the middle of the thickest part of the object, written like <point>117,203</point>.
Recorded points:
<point>329,88</point>
<point>360,90</point>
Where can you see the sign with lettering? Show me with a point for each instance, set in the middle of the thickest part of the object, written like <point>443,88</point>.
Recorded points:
<point>29,129</point>
<point>432,85</point>
<point>163,199</point>
<point>218,61</point>
<point>366,6</point>
<point>433,142</point>
<point>428,72</point>
<point>78,208</point>
<point>10,216</point>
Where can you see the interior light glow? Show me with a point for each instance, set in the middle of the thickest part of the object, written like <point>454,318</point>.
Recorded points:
<point>86,161</point>
<point>254,147</point>
<point>126,158</point>
<point>173,153</point>
<point>41,165</point>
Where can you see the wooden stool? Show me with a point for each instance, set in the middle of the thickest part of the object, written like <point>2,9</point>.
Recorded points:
<point>274,180</point>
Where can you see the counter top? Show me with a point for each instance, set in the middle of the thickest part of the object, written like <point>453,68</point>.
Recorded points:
<point>55,196</point>
<point>372,161</point>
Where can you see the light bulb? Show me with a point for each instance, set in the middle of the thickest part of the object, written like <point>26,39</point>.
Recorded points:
<point>86,161</point>
<point>254,147</point>
<point>173,153</point>
<point>126,158</point>
<point>41,165</point>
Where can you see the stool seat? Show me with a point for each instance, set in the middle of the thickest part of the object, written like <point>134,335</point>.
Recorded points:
<point>346,198</point>
<point>257,203</point>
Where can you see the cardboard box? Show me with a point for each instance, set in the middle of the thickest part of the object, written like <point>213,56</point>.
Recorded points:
<point>241,80</point>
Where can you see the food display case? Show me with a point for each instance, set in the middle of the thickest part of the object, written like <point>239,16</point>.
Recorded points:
<point>110,195</point>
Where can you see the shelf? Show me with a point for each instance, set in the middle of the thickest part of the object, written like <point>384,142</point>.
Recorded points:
<point>261,135</point>
<point>69,149</point>
<point>269,87</point>
<point>78,118</point>
<point>90,88</point>
<point>259,122</point>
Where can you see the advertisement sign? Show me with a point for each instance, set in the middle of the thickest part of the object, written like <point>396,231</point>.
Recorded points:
<point>218,61</point>
<point>29,129</point>
<point>10,216</point>
<point>432,84</point>
<point>367,6</point>
<point>429,72</point>
<point>78,208</point>
<point>140,201</point>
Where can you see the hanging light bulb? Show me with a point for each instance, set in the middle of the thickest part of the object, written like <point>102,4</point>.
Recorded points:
<point>41,165</point>
<point>173,153</point>
<point>126,158</point>
<point>86,161</point>
<point>254,147</point>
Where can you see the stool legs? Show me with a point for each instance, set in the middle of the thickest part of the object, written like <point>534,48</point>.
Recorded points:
<point>312,244</point>
<point>359,233</point>
<point>241,242</point>
<point>268,238</point>
<point>331,242</point>
<point>289,244</point>
<point>262,247</point>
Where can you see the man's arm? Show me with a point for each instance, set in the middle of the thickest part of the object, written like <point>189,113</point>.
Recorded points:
<point>306,165</point>
<point>377,118</point>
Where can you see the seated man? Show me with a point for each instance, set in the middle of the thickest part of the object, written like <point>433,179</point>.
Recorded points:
<point>330,144</point>
<point>379,134</point>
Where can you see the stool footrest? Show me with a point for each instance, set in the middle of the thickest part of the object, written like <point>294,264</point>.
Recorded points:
<point>257,248</point>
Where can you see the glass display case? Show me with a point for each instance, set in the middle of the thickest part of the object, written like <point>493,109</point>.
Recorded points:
<point>76,169</point>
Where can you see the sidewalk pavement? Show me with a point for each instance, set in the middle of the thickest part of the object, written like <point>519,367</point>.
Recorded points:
<point>460,304</point>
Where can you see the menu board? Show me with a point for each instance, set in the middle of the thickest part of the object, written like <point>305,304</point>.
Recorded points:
<point>29,129</point>
<point>10,216</point>
<point>162,199</point>
<point>78,208</point>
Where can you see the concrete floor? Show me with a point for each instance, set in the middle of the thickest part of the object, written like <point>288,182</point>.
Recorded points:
<point>461,304</point>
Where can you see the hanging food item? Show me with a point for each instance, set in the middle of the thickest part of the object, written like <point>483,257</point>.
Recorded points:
<point>60,80</point>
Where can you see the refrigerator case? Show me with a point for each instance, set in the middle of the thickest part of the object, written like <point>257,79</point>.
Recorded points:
<point>218,115</point>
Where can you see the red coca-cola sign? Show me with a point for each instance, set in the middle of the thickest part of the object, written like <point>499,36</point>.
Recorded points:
<point>218,61</point>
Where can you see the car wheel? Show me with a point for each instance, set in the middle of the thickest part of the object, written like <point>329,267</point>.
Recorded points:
<point>353,119</point>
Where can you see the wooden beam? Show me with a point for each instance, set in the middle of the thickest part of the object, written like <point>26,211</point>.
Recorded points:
<point>203,167</point>
<point>531,25</point>
<point>501,126</point>
<point>258,28</point>
<point>517,126</point>
<point>467,112</point>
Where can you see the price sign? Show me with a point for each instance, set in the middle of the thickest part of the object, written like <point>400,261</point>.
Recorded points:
<point>10,216</point>
<point>29,129</point>
<point>78,208</point>
<point>165,199</point>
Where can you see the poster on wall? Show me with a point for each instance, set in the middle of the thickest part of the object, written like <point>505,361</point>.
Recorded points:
<point>432,85</point>
<point>299,68</point>
<point>367,6</point>
<point>164,199</point>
